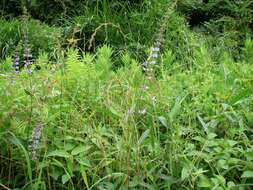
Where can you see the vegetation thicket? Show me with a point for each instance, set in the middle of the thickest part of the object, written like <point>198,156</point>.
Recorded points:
<point>148,94</point>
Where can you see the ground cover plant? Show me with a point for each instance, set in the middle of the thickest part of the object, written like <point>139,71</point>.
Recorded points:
<point>104,100</point>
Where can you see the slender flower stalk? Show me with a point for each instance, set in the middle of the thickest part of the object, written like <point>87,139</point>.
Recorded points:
<point>27,50</point>
<point>27,53</point>
<point>153,57</point>
<point>27,59</point>
<point>159,39</point>
<point>16,62</point>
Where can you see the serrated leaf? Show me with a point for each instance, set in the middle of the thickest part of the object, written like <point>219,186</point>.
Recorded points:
<point>247,174</point>
<point>59,153</point>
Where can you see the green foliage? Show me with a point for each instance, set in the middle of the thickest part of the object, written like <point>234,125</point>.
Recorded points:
<point>229,21</point>
<point>194,134</point>
<point>42,37</point>
<point>98,121</point>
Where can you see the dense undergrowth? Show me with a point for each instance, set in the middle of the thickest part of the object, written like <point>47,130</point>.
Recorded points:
<point>87,113</point>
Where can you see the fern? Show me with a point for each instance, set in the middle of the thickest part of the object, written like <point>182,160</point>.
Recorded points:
<point>103,61</point>
<point>75,67</point>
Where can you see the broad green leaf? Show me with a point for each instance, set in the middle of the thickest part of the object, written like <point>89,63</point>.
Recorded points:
<point>247,174</point>
<point>204,182</point>
<point>232,143</point>
<point>79,149</point>
<point>59,153</point>
<point>222,164</point>
<point>211,136</point>
<point>68,146</point>
<point>84,162</point>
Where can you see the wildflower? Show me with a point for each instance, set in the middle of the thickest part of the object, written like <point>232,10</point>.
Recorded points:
<point>36,136</point>
<point>147,69</point>
<point>154,55</point>
<point>16,62</point>
<point>27,53</point>
<point>156,49</point>
<point>158,44</point>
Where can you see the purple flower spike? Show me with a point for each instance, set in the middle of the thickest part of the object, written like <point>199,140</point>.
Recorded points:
<point>35,141</point>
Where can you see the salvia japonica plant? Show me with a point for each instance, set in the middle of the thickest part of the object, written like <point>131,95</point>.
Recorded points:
<point>35,140</point>
<point>16,60</point>
<point>25,59</point>
<point>158,40</point>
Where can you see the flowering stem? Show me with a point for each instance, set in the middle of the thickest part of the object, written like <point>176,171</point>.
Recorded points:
<point>159,38</point>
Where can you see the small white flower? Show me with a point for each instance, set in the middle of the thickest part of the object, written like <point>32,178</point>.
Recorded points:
<point>154,55</point>
<point>156,49</point>
<point>145,63</point>
<point>158,44</point>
